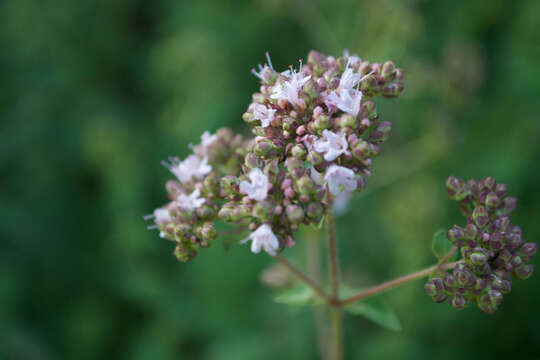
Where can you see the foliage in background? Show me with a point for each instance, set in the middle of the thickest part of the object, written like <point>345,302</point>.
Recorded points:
<point>94,92</point>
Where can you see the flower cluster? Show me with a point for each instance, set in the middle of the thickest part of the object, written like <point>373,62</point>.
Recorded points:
<point>316,131</point>
<point>492,249</point>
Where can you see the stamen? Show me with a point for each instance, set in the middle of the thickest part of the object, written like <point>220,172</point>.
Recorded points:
<point>269,61</point>
<point>148,217</point>
<point>151,227</point>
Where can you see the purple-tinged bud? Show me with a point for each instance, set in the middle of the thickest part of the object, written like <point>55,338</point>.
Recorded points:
<point>322,83</point>
<point>311,89</point>
<point>361,150</point>
<point>516,262</point>
<point>523,272</point>
<point>439,298</point>
<point>506,286</point>
<point>321,123</point>
<point>314,211</point>
<point>205,212</point>
<point>315,158</point>
<point>458,301</point>
<point>496,241</point>
<point>455,188</point>
<point>492,200</point>
<point>528,250</point>
<point>304,185</point>
<point>487,183</point>
<point>463,275</point>
<point>388,69</point>
<point>470,232</point>
<point>263,210</point>
<point>369,108</point>
<point>240,212</point>
<point>289,193</point>
<point>504,258</point>
<point>346,121</point>
<point>514,240</point>
<point>479,284</point>
<point>510,204</point>
<point>500,190</point>
<point>265,148</point>
<point>299,151</point>
<point>295,214</point>
<point>364,68</point>
<point>382,133</point>
<point>252,161</point>
<point>456,236</point>
<point>438,282</point>
<point>431,289</point>
<point>286,183</point>
<point>393,90</point>
<point>301,130</point>
<point>399,74</point>
<point>208,234</point>
<point>504,223</point>
<point>295,166</point>
<point>449,282</point>
<point>480,216</point>
<point>478,259</point>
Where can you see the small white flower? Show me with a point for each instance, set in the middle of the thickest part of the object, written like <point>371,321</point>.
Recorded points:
<point>331,144</point>
<point>341,202</point>
<point>316,177</point>
<point>191,167</point>
<point>257,189</point>
<point>191,201</point>
<point>352,59</point>
<point>348,79</point>
<point>347,101</point>
<point>340,179</point>
<point>162,216</point>
<point>207,139</point>
<point>288,89</point>
<point>264,114</point>
<point>263,238</point>
<point>263,70</point>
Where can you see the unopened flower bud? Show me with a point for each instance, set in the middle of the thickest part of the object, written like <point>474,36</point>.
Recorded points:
<point>265,148</point>
<point>295,214</point>
<point>304,185</point>
<point>321,123</point>
<point>455,188</point>
<point>458,301</point>
<point>263,210</point>
<point>431,289</point>
<point>492,200</point>
<point>480,216</point>
<point>361,150</point>
<point>382,133</point>
<point>456,236</point>
<point>252,161</point>
<point>510,204</point>
<point>393,90</point>
<point>388,69</point>
<point>528,250</point>
<point>470,232</point>
<point>315,158</point>
<point>299,151</point>
<point>500,190</point>
<point>449,281</point>
<point>523,272</point>
<point>208,234</point>
<point>314,211</point>
<point>478,258</point>
<point>295,166</point>
<point>346,121</point>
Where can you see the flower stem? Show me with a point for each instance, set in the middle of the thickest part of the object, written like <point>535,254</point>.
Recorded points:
<point>396,282</point>
<point>337,335</point>
<point>337,325</point>
<point>305,279</point>
<point>313,255</point>
<point>332,253</point>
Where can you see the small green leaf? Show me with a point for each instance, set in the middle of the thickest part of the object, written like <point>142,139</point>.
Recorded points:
<point>441,245</point>
<point>376,310</point>
<point>300,295</point>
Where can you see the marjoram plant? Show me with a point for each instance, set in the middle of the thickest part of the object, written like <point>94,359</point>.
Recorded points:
<point>317,131</point>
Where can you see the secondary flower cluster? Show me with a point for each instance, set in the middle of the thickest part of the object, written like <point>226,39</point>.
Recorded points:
<point>492,249</point>
<point>316,131</point>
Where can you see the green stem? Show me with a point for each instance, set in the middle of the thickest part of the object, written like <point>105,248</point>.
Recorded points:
<point>337,326</point>
<point>396,282</point>
<point>305,279</point>
<point>337,335</point>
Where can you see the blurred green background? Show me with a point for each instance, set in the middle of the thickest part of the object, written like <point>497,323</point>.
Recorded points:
<point>94,94</point>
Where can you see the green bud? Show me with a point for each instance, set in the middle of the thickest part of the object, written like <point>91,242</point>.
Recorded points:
<point>253,161</point>
<point>470,232</point>
<point>295,166</point>
<point>314,211</point>
<point>205,212</point>
<point>304,185</point>
<point>265,148</point>
<point>492,201</point>
<point>295,214</point>
<point>248,118</point>
<point>208,234</point>
<point>299,151</point>
<point>388,69</point>
<point>478,259</point>
<point>346,121</point>
<point>229,185</point>
<point>263,210</point>
<point>523,272</point>
<point>322,122</point>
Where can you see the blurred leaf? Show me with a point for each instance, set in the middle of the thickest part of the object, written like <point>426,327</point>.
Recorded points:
<point>441,246</point>
<point>300,295</point>
<point>376,310</point>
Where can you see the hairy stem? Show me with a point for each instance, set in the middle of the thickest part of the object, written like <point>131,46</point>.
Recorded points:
<point>396,282</point>
<point>305,279</point>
